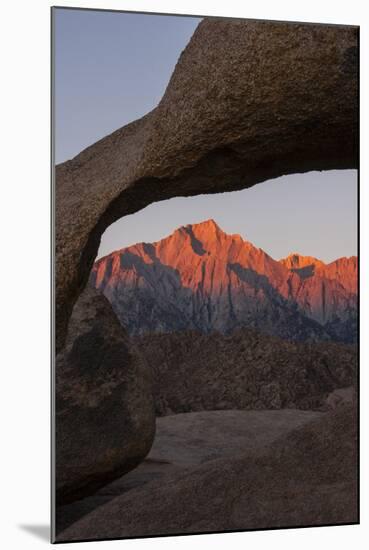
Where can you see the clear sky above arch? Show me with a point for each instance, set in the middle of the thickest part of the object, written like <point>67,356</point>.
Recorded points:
<point>112,68</point>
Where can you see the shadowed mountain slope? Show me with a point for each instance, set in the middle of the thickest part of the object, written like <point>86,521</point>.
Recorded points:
<point>200,278</point>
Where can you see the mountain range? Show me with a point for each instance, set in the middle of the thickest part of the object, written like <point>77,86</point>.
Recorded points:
<point>201,278</point>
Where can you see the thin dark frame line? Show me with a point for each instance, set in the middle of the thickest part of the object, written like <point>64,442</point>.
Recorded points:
<point>193,16</point>
<point>358,279</point>
<point>52,282</point>
<point>138,537</point>
<point>53,267</point>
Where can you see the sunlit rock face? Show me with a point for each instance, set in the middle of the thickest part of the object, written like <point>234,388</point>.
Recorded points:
<point>200,278</point>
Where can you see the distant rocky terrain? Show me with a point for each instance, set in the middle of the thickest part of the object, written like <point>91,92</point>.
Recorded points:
<point>244,370</point>
<point>200,278</point>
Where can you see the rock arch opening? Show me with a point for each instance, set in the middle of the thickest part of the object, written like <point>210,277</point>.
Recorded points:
<point>193,287</point>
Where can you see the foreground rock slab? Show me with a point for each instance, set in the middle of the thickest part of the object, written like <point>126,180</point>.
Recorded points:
<point>225,470</point>
<point>201,278</point>
<point>105,421</point>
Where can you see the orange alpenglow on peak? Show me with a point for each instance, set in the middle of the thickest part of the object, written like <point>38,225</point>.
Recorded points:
<point>343,270</point>
<point>296,260</point>
<point>209,230</point>
<point>201,278</point>
<point>206,229</point>
<point>209,225</point>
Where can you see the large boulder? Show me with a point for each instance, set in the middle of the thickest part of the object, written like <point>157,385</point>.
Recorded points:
<point>248,101</point>
<point>105,420</point>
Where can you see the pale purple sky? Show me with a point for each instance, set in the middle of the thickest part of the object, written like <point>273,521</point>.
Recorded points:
<point>111,68</point>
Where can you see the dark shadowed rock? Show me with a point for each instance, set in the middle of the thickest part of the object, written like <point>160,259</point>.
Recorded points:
<point>245,370</point>
<point>248,101</point>
<point>309,477</point>
<point>105,419</point>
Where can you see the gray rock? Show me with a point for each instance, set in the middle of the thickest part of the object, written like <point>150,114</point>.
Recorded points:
<point>244,370</point>
<point>248,101</point>
<point>341,397</point>
<point>105,420</point>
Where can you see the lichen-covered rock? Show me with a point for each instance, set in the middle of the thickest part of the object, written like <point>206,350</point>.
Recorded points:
<point>248,101</point>
<point>105,420</point>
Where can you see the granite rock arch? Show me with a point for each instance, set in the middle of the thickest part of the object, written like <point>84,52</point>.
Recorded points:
<point>248,101</point>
